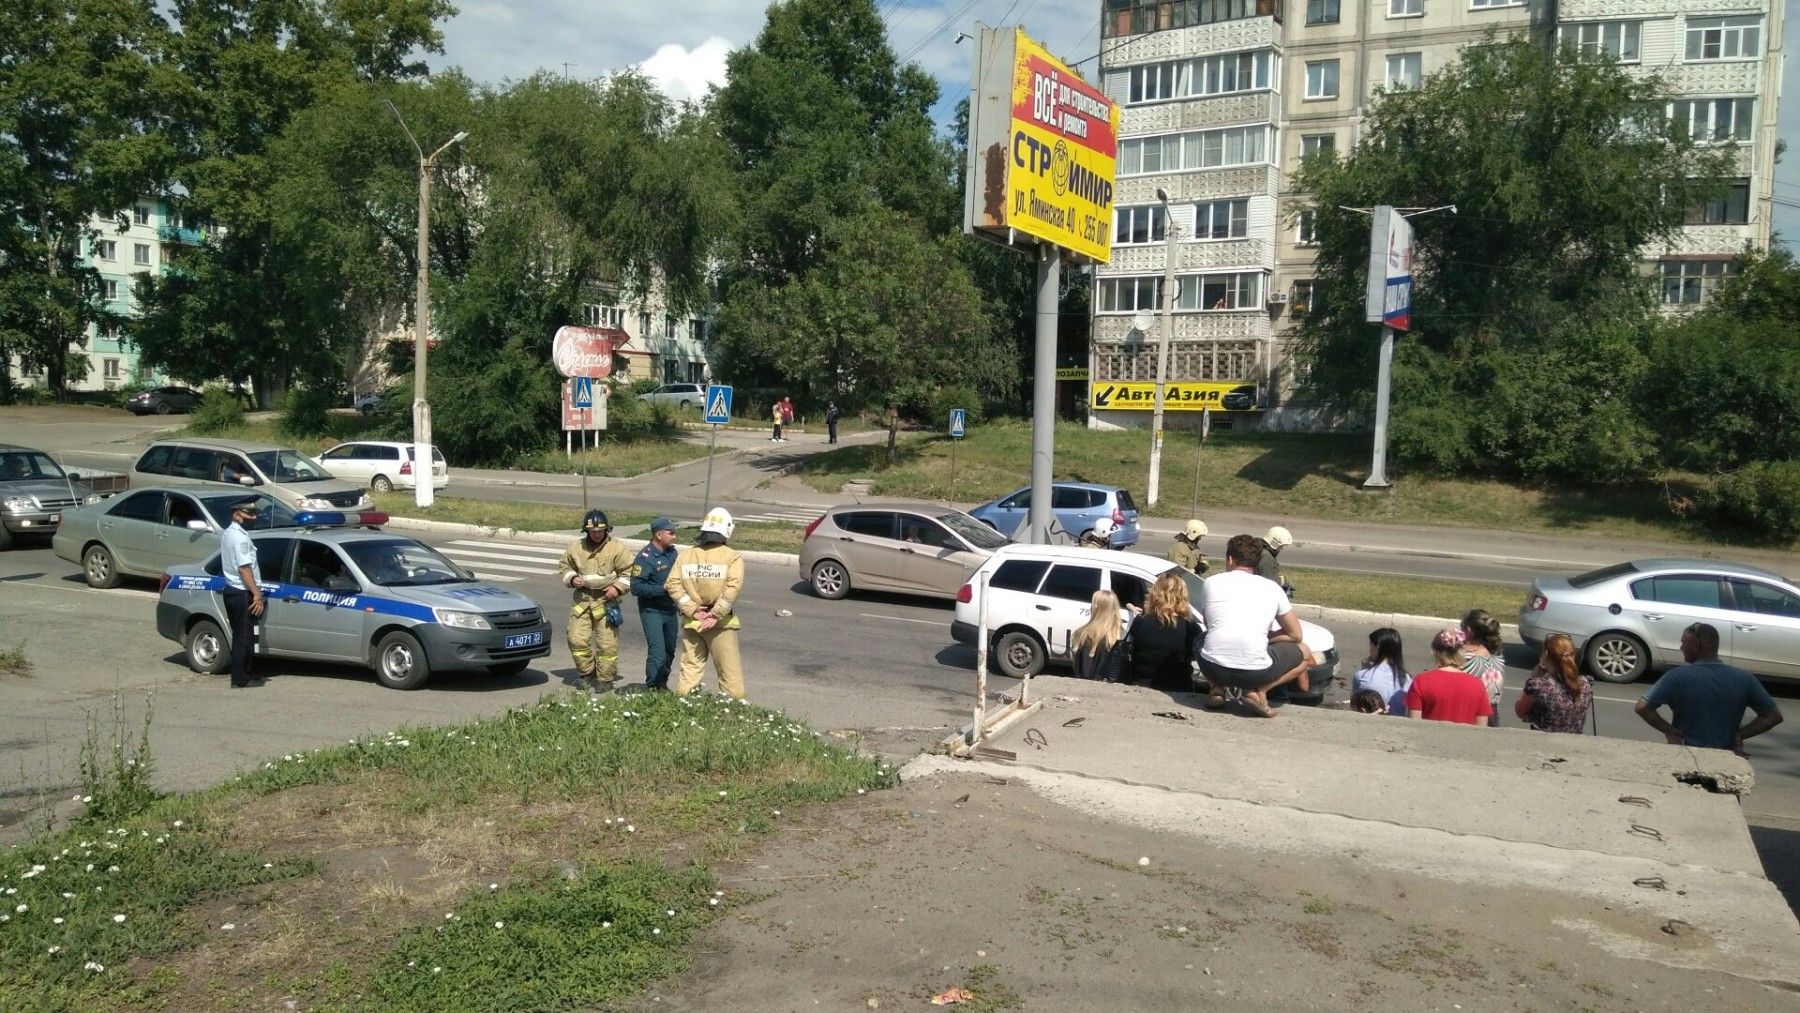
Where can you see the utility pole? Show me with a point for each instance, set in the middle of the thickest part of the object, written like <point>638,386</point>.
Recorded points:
<point>422,461</point>
<point>1162,346</point>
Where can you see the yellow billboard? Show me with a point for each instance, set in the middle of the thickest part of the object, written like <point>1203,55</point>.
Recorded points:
<point>1178,396</point>
<point>1043,146</point>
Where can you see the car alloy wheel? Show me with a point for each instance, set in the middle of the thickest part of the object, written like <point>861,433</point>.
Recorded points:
<point>830,580</point>
<point>1618,657</point>
<point>97,563</point>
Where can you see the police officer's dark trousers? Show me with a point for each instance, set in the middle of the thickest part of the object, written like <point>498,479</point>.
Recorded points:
<point>662,636</point>
<point>243,631</point>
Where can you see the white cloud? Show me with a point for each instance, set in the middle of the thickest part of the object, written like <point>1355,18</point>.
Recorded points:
<point>684,73</point>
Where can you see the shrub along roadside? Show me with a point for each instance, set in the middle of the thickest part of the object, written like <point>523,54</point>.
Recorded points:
<point>578,909</point>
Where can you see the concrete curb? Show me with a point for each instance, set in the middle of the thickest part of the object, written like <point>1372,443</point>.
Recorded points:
<point>1317,613</point>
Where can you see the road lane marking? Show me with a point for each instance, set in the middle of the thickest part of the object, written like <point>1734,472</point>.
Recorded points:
<point>478,554</point>
<point>510,546</point>
<point>128,591</point>
<point>502,578</point>
<point>902,619</point>
<point>479,565</point>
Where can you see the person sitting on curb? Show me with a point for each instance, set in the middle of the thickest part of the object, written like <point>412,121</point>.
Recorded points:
<point>1447,693</point>
<point>1185,552</point>
<point>1239,651</point>
<point>1708,698</point>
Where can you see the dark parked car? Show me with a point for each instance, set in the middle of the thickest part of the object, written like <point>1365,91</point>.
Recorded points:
<point>1239,399</point>
<point>163,400</point>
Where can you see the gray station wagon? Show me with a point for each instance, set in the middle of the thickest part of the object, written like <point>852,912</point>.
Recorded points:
<point>285,474</point>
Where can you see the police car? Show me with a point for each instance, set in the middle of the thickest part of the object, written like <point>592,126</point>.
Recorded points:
<point>336,589</point>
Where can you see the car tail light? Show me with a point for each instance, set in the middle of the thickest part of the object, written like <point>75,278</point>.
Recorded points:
<point>1537,602</point>
<point>371,518</point>
<point>966,594</point>
<point>162,583</point>
<point>814,526</point>
<point>1118,516</point>
<point>405,467</point>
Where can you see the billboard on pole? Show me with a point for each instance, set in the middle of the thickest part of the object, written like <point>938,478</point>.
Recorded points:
<point>1389,296</point>
<point>585,351</point>
<point>1042,148</point>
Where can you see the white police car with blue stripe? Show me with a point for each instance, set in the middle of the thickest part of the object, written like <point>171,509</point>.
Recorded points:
<point>337,590</point>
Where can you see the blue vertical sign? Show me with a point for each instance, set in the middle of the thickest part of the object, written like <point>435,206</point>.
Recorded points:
<point>718,404</point>
<point>584,392</point>
<point>958,422</point>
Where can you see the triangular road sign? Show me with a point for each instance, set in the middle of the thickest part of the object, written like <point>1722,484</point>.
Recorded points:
<point>719,406</point>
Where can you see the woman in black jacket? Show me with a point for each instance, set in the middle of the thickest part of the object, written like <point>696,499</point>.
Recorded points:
<point>1099,648</point>
<point>1165,640</point>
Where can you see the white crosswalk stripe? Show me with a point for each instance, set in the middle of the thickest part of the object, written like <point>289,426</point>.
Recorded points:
<point>484,559</point>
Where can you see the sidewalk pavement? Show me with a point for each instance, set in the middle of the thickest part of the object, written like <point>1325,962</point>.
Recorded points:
<point>1643,844</point>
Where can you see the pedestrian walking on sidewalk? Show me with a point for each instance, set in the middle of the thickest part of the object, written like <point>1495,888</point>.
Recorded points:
<point>243,590</point>
<point>649,585</point>
<point>831,420</point>
<point>1708,698</point>
<point>597,568</point>
<point>1447,693</point>
<point>705,583</point>
<point>776,414</point>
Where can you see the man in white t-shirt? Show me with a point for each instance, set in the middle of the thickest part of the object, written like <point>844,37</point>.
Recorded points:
<point>1253,639</point>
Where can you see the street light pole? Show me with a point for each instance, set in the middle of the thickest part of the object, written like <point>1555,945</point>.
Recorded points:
<point>422,456</point>
<point>1162,346</point>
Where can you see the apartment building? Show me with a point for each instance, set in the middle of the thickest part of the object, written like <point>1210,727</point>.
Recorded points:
<point>1199,86</point>
<point>147,237</point>
<point>660,345</point>
<point>1221,100</point>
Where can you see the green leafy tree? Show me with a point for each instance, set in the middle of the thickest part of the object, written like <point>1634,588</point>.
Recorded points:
<point>77,88</point>
<point>1526,300</point>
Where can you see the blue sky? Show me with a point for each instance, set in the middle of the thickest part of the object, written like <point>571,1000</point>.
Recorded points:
<point>682,44</point>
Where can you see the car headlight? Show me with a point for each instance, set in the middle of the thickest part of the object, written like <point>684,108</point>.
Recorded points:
<point>313,503</point>
<point>20,504</point>
<point>461,620</point>
<point>92,498</point>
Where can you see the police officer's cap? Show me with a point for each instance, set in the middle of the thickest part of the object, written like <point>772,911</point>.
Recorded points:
<point>247,506</point>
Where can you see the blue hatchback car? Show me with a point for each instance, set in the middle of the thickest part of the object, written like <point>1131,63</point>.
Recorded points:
<point>1077,505</point>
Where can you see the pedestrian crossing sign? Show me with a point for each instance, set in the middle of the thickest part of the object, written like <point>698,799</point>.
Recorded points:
<point>584,392</point>
<point>958,422</point>
<point>718,404</point>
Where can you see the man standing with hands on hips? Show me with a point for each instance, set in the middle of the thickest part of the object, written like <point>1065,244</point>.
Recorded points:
<point>705,583</point>
<point>598,570</point>
<point>243,590</point>
<point>649,585</point>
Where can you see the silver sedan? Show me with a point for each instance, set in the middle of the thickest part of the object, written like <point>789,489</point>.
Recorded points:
<point>143,532</point>
<point>1626,619</point>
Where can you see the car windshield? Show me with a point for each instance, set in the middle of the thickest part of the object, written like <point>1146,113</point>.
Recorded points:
<point>28,465</point>
<point>272,513</point>
<point>400,562</point>
<point>288,466</point>
<point>973,531</point>
<point>1602,575</point>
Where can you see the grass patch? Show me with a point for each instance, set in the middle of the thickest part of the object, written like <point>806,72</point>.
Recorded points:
<point>767,536</point>
<point>14,664</point>
<point>1303,474</point>
<point>521,862</point>
<point>342,428</point>
<point>619,458</point>
<point>497,513</point>
<point>1372,592</point>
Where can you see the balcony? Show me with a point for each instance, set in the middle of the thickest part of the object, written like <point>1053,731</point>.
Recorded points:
<point>179,235</point>
<point>1123,18</point>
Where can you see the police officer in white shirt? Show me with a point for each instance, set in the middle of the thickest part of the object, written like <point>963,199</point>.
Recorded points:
<point>243,590</point>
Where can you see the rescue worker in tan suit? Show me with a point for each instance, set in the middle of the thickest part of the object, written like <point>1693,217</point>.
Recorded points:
<point>598,570</point>
<point>705,582</point>
<point>1186,553</point>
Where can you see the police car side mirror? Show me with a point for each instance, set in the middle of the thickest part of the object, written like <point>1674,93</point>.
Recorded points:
<point>197,525</point>
<point>246,480</point>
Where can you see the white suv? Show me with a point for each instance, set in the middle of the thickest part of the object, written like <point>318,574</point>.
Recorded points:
<point>1039,595</point>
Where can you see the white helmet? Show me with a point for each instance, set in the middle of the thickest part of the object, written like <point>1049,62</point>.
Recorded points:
<point>1104,527</point>
<point>1195,530</point>
<point>1279,537</point>
<point>718,521</point>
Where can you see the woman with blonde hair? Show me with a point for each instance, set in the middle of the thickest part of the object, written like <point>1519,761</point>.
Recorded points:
<point>1099,648</point>
<point>1556,696</point>
<point>1165,639</point>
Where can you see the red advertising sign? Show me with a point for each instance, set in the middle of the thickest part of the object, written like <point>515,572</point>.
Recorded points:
<point>584,351</point>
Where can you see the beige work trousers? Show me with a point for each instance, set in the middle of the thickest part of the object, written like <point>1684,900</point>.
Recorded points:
<point>721,645</point>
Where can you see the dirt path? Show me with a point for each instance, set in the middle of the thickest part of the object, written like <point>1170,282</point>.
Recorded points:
<point>963,880</point>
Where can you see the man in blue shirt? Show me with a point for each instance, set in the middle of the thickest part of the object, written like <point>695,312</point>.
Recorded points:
<point>243,590</point>
<point>662,621</point>
<point>1708,697</point>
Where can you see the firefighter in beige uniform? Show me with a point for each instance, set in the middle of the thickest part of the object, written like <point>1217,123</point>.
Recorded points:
<point>598,569</point>
<point>705,582</point>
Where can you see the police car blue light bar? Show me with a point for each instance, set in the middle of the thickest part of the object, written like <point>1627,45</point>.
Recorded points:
<point>320,519</point>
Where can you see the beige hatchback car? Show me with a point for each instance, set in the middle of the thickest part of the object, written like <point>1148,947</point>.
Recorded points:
<point>909,548</point>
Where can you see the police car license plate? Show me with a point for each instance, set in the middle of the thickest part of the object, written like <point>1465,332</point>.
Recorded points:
<point>525,639</point>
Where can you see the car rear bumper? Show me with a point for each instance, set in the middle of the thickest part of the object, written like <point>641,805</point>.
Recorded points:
<point>170,618</point>
<point>962,633</point>
<point>452,649</point>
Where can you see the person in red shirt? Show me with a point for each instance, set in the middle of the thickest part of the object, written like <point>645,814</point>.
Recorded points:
<point>1447,693</point>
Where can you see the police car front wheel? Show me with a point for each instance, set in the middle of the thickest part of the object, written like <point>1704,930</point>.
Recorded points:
<point>400,661</point>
